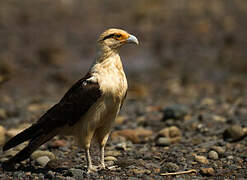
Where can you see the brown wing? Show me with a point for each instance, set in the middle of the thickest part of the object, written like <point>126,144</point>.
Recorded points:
<point>76,102</point>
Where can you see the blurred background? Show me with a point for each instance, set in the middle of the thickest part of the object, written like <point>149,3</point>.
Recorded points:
<point>188,50</point>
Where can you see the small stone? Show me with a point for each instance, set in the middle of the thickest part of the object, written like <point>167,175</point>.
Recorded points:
<point>234,133</point>
<point>58,143</point>
<point>207,102</point>
<point>134,135</point>
<point>28,173</point>
<point>42,160</point>
<point>173,133</point>
<point>218,118</point>
<point>163,141</point>
<point>124,163</point>
<point>49,175</point>
<point>3,159</point>
<point>141,171</point>
<point>169,167</point>
<point>207,171</point>
<point>230,157</point>
<point>121,146</point>
<point>53,164</point>
<point>76,173</point>
<point>113,153</point>
<point>3,114</point>
<point>175,112</point>
<point>213,155</point>
<point>201,159</point>
<point>39,153</point>
<point>218,149</point>
<point>110,158</point>
<point>2,135</point>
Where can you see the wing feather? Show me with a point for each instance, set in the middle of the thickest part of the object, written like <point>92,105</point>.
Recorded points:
<point>76,102</point>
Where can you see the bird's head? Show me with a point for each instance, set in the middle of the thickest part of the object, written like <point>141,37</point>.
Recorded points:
<point>114,38</point>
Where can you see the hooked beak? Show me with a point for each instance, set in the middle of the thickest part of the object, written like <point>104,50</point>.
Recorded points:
<point>132,39</point>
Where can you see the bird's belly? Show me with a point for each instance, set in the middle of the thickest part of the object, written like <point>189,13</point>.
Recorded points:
<point>102,113</point>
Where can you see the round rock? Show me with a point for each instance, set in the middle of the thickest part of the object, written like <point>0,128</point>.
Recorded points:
<point>163,141</point>
<point>169,167</point>
<point>213,155</point>
<point>234,133</point>
<point>43,160</point>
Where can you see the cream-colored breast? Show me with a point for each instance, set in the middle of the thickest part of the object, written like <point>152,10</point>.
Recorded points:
<point>111,77</point>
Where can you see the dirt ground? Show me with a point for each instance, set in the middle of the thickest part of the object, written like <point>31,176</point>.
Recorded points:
<point>186,107</point>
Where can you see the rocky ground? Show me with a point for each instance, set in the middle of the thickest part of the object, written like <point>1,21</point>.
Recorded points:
<point>199,136</point>
<point>185,113</point>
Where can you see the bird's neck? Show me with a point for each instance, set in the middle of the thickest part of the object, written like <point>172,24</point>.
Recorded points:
<point>104,52</point>
<point>107,58</point>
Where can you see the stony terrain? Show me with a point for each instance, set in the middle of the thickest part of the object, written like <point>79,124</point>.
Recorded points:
<point>186,109</point>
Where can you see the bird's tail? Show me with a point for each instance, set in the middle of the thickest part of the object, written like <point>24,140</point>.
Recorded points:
<point>25,135</point>
<point>28,150</point>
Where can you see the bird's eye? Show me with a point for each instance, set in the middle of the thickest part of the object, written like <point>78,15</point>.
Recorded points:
<point>118,35</point>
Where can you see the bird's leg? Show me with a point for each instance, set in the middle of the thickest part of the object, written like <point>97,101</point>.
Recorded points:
<point>102,143</point>
<point>90,167</point>
<point>102,157</point>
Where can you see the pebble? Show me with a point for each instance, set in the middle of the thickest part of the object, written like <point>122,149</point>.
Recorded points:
<point>173,133</point>
<point>42,160</point>
<point>124,163</point>
<point>110,158</point>
<point>201,159</point>
<point>207,171</point>
<point>113,153</point>
<point>49,175</point>
<point>2,135</point>
<point>230,157</point>
<point>121,146</point>
<point>76,173</point>
<point>207,102</point>
<point>39,153</point>
<point>3,114</point>
<point>233,133</point>
<point>218,149</point>
<point>141,171</point>
<point>53,164</point>
<point>218,118</point>
<point>58,143</point>
<point>169,167</point>
<point>213,155</point>
<point>163,141</point>
<point>175,112</point>
<point>134,135</point>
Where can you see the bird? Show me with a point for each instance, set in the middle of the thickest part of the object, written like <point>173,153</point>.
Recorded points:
<point>88,109</point>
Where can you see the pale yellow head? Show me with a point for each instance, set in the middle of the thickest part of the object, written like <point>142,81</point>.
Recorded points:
<point>114,38</point>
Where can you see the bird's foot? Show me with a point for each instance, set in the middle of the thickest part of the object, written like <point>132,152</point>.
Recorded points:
<point>96,168</point>
<point>92,169</point>
<point>101,166</point>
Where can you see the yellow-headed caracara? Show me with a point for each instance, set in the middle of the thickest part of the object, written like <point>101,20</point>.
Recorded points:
<point>88,110</point>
